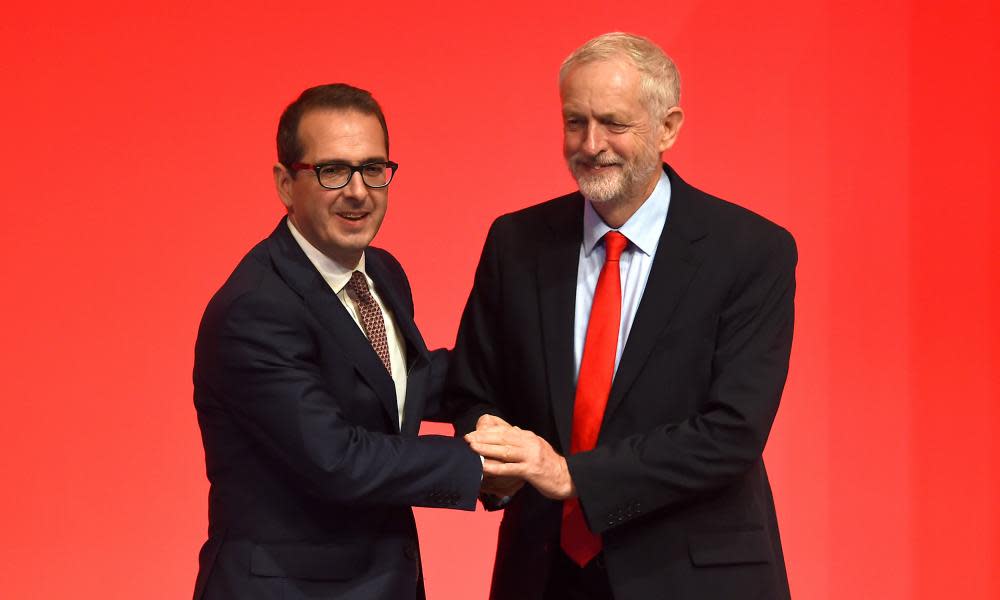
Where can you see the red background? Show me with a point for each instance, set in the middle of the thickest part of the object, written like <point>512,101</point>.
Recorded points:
<point>136,163</point>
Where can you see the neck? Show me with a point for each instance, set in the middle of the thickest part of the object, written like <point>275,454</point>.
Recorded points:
<point>347,259</point>
<point>615,213</point>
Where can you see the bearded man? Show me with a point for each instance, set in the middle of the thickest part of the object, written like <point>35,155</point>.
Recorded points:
<point>623,351</point>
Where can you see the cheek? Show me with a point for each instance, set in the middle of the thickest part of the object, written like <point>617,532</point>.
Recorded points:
<point>632,148</point>
<point>571,143</point>
<point>319,204</point>
<point>382,206</point>
<point>573,137</point>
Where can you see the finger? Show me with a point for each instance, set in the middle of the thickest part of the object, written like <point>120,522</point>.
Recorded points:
<point>493,435</point>
<point>495,451</point>
<point>490,421</point>
<point>506,485</point>
<point>501,469</point>
<point>498,452</point>
<point>513,436</point>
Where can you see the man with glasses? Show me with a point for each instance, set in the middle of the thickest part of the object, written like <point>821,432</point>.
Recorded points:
<point>311,380</point>
<point>638,333</point>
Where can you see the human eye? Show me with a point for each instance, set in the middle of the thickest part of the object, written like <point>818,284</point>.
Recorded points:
<point>572,123</point>
<point>374,169</point>
<point>334,175</point>
<point>334,170</point>
<point>615,126</point>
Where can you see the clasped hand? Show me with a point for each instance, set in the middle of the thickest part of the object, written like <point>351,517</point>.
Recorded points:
<point>513,456</point>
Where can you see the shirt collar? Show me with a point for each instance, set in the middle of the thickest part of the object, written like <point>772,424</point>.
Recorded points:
<point>642,229</point>
<point>335,274</point>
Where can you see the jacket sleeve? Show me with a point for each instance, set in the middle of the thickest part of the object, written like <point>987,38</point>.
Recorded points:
<point>436,410</point>
<point>259,360</point>
<point>674,463</point>
<point>474,372</point>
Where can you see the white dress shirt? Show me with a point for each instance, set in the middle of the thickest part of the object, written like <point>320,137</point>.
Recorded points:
<point>643,230</point>
<point>337,276</point>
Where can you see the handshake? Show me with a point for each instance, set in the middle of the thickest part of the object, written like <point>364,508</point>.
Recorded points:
<point>513,457</point>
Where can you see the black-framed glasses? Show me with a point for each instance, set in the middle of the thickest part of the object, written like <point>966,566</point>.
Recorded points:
<point>336,175</point>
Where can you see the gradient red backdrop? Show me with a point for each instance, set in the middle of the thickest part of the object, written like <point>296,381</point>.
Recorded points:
<point>136,159</point>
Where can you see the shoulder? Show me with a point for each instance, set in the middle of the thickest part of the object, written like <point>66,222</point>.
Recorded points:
<point>383,262</point>
<point>551,213</point>
<point>529,230</point>
<point>385,259</point>
<point>253,288</point>
<point>735,229</point>
<point>384,267</point>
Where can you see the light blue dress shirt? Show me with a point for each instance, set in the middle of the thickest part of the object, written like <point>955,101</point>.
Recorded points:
<point>643,230</point>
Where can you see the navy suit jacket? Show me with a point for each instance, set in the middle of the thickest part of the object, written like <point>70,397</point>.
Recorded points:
<point>676,486</point>
<point>312,479</point>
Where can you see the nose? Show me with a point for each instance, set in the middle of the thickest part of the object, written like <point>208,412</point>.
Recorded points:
<point>356,188</point>
<point>594,139</point>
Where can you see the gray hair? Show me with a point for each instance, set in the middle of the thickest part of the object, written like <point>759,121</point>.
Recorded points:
<point>659,80</point>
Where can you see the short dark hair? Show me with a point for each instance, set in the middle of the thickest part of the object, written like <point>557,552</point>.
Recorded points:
<point>332,96</point>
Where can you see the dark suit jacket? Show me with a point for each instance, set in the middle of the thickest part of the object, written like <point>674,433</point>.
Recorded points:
<point>676,485</point>
<point>311,478</point>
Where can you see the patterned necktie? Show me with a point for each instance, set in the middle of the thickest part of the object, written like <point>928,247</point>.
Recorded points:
<point>597,368</point>
<point>371,316</point>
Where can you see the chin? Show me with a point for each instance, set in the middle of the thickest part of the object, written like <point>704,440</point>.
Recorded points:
<point>600,189</point>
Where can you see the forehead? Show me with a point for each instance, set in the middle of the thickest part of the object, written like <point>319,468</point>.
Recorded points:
<point>601,85</point>
<point>327,134</point>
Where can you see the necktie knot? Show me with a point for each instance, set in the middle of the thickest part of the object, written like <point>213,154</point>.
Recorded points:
<point>357,287</point>
<point>614,245</point>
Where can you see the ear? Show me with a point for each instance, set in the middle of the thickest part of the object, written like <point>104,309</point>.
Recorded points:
<point>671,123</point>
<point>283,181</point>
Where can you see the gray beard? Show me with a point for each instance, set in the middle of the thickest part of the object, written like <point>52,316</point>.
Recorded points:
<point>616,187</point>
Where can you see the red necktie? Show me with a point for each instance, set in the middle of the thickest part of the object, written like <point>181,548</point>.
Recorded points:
<point>597,369</point>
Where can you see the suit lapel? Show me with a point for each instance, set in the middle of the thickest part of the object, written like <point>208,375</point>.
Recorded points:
<point>557,270</point>
<point>416,349</point>
<point>674,265</point>
<point>295,269</point>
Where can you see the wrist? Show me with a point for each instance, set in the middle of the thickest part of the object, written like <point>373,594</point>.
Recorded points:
<point>568,488</point>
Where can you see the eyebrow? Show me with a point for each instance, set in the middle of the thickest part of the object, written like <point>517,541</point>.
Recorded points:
<point>603,117</point>
<point>363,161</point>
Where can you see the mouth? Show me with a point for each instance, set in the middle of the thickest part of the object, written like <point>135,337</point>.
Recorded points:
<point>596,168</point>
<point>353,220</point>
<point>353,216</point>
<point>593,166</point>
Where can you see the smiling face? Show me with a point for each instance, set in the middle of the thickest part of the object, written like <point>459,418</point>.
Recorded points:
<point>611,142</point>
<point>340,223</point>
